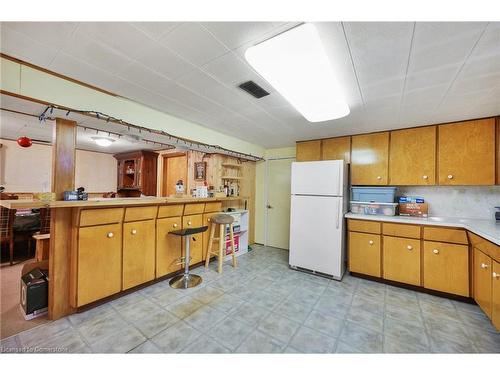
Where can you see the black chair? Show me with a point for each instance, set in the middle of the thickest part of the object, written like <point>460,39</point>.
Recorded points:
<point>186,280</point>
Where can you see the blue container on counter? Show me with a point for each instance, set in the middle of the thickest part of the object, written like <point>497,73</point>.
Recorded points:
<point>373,194</point>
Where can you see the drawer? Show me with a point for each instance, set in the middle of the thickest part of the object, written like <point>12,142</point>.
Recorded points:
<point>401,230</point>
<point>445,235</point>
<point>170,210</point>
<point>194,208</point>
<point>364,226</point>
<point>100,216</point>
<point>140,213</point>
<point>213,207</point>
<point>485,246</point>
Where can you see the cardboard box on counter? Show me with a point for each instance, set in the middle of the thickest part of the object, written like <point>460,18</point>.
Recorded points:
<point>414,209</point>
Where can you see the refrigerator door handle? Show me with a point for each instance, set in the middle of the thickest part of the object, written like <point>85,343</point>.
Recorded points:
<point>338,214</point>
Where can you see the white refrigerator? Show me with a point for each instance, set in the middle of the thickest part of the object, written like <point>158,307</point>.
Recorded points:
<point>318,204</point>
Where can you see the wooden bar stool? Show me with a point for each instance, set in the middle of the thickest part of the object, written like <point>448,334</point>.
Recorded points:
<point>221,220</point>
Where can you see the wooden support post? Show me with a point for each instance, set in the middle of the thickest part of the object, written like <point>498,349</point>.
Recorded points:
<point>63,178</point>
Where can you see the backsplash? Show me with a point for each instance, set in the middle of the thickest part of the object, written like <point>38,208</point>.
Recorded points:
<point>477,202</point>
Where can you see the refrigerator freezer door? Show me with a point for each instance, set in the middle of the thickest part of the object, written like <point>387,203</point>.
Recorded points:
<point>316,240</point>
<point>318,178</point>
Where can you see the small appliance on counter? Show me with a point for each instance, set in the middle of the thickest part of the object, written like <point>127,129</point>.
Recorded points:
<point>76,195</point>
<point>34,293</point>
<point>497,214</point>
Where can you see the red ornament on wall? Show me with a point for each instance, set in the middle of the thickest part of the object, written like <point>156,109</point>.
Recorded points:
<point>24,141</point>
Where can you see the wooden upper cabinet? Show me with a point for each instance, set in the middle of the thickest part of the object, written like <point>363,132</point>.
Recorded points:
<point>412,159</point>
<point>336,149</point>
<point>467,153</point>
<point>370,159</point>
<point>308,151</point>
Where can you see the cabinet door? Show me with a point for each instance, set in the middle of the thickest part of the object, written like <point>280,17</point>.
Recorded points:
<point>364,253</point>
<point>446,267</point>
<point>336,149</point>
<point>482,281</point>
<point>495,295</point>
<point>402,260</point>
<point>370,159</point>
<point>196,241</point>
<point>138,252</point>
<point>467,153</point>
<point>168,246</point>
<point>206,235</point>
<point>412,159</point>
<point>308,151</point>
<point>99,262</point>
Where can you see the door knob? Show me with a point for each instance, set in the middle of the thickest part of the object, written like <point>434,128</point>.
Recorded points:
<point>133,231</point>
<point>425,177</point>
<point>435,251</point>
<point>409,247</point>
<point>110,235</point>
<point>379,177</point>
<point>370,242</point>
<point>189,223</point>
<point>483,265</point>
<point>175,225</point>
<point>450,177</point>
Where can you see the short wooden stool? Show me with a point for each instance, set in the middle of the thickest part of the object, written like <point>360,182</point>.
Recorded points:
<point>221,220</point>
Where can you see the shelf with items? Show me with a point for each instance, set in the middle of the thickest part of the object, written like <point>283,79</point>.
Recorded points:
<point>241,234</point>
<point>231,165</point>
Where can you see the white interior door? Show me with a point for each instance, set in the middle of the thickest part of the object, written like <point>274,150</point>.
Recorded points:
<point>278,203</point>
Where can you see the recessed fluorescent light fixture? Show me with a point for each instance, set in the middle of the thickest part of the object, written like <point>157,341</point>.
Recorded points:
<point>103,141</point>
<point>296,65</point>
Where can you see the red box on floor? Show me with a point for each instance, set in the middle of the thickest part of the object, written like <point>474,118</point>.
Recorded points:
<point>236,244</point>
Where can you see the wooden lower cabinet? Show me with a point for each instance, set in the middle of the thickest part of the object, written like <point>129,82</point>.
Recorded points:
<point>364,253</point>
<point>168,246</point>
<point>482,280</point>
<point>138,253</point>
<point>495,295</point>
<point>196,242</point>
<point>401,260</point>
<point>446,267</point>
<point>99,262</point>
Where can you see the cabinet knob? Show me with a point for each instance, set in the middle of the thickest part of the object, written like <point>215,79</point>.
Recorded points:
<point>175,225</point>
<point>435,251</point>
<point>496,275</point>
<point>450,177</point>
<point>189,223</point>
<point>208,219</point>
<point>110,235</point>
<point>409,247</point>
<point>425,177</point>
<point>379,177</point>
<point>484,265</point>
<point>370,242</point>
<point>133,231</point>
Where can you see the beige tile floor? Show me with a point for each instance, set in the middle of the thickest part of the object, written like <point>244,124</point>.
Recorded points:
<point>264,307</point>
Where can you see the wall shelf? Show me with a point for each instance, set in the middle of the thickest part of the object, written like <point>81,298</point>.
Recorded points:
<point>231,178</point>
<point>231,165</point>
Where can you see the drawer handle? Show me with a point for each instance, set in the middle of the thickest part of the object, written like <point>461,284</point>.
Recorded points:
<point>379,177</point>
<point>484,265</point>
<point>133,231</point>
<point>208,219</point>
<point>496,275</point>
<point>370,242</point>
<point>450,177</point>
<point>110,235</point>
<point>435,251</point>
<point>425,177</point>
<point>189,223</point>
<point>175,225</point>
<point>409,247</point>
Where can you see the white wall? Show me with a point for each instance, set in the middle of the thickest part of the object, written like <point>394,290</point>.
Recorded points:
<point>30,169</point>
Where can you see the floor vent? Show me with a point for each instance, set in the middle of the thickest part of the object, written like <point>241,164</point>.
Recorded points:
<point>253,89</point>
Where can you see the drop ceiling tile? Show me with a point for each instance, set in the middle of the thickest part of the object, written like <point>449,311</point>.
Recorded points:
<point>430,96</point>
<point>483,66</point>
<point>53,34</point>
<point>235,34</point>
<point>387,88</point>
<point>432,77</point>
<point>194,43</point>
<point>145,77</point>
<point>155,30</point>
<point>165,62</point>
<point>20,46</point>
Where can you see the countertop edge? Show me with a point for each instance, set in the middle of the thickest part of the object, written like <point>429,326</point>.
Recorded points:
<point>465,223</point>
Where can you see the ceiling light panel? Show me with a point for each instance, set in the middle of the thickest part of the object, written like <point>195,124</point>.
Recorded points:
<point>296,65</point>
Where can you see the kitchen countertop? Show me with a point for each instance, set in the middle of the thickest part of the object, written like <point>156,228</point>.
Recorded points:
<point>488,229</point>
<point>103,202</point>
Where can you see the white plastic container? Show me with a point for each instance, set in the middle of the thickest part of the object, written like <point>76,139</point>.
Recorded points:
<point>371,208</point>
